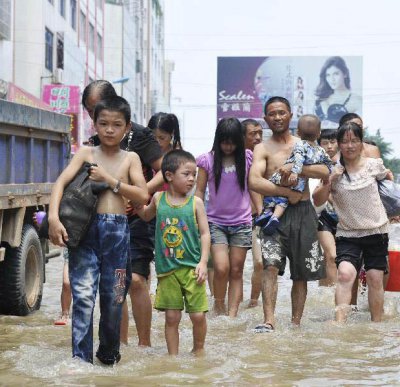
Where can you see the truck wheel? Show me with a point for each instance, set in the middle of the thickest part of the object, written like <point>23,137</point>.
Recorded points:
<point>22,276</point>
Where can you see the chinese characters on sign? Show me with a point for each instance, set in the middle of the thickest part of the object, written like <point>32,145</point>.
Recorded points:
<point>65,99</point>
<point>244,84</point>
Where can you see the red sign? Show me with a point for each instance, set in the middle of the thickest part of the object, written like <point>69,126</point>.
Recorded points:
<point>18,95</point>
<point>62,98</point>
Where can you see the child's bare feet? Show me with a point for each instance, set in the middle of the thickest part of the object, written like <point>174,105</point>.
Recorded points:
<point>252,304</point>
<point>219,307</point>
<point>198,352</point>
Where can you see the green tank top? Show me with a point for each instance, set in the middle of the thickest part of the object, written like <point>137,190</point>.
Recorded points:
<point>177,235</point>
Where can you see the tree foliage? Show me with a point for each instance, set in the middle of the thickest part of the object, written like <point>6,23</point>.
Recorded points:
<point>386,150</point>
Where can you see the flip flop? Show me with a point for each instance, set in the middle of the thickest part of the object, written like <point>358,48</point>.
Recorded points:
<point>63,320</point>
<point>263,328</point>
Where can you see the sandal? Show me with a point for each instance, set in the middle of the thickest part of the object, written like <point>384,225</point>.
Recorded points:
<point>263,328</point>
<point>63,320</point>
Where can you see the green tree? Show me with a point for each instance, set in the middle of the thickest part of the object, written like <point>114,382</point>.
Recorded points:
<point>386,150</point>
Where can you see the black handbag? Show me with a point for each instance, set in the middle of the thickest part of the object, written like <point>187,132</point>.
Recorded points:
<point>77,206</point>
<point>390,196</point>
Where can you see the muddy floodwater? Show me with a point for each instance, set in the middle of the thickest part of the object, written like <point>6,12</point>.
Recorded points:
<point>34,352</point>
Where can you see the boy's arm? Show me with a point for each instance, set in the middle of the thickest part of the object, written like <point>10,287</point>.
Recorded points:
<point>57,232</point>
<point>205,238</point>
<point>201,183</point>
<point>156,183</point>
<point>261,185</point>
<point>147,213</point>
<point>137,192</point>
<point>298,158</point>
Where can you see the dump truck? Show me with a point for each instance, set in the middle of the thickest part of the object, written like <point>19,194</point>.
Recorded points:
<point>34,149</point>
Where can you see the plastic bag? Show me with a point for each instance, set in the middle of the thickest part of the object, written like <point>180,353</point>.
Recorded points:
<point>390,196</point>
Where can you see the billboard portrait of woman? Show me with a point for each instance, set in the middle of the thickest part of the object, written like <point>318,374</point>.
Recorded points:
<point>334,96</point>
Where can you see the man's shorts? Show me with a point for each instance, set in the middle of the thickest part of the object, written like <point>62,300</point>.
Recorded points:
<point>179,290</point>
<point>372,249</point>
<point>327,222</point>
<point>233,236</point>
<point>141,245</point>
<point>295,238</point>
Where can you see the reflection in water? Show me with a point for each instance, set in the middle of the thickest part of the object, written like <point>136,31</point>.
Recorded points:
<point>33,350</point>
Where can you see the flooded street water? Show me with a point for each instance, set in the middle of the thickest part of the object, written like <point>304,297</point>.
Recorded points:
<point>35,352</point>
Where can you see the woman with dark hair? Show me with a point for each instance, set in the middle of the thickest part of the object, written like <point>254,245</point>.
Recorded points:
<point>165,127</point>
<point>225,169</point>
<point>369,149</point>
<point>334,95</point>
<point>362,230</point>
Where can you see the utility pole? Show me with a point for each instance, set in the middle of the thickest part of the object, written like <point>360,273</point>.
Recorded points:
<point>149,60</point>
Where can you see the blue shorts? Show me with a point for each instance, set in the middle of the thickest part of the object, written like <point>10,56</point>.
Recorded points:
<point>273,201</point>
<point>234,236</point>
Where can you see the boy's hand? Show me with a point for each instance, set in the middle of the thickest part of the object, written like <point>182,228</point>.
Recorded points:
<point>98,173</point>
<point>285,170</point>
<point>201,272</point>
<point>293,177</point>
<point>57,233</point>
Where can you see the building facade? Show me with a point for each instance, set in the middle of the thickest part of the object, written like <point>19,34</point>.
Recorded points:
<point>134,55</point>
<point>49,48</point>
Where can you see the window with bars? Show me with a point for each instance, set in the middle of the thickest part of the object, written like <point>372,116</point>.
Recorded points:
<point>49,40</point>
<point>82,26</point>
<point>72,5</point>
<point>91,37</point>
<point>5,19</point>
<point>99,47</point>
<point>61,5</point>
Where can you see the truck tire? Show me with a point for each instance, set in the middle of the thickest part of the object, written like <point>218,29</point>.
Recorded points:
<point>22,276</point>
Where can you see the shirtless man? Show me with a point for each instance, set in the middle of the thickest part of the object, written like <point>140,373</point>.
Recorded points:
<point>100,260</point>
<point>296,237</point>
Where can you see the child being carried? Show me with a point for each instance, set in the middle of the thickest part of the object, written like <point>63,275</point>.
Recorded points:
<point>305,152</point>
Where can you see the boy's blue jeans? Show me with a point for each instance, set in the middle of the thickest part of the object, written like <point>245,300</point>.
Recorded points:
<point>102,257</point>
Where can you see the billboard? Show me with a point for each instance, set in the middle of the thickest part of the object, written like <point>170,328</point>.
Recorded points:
<point>326,86</point>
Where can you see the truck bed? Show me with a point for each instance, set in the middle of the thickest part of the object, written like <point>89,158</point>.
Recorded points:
<point>34,149</point>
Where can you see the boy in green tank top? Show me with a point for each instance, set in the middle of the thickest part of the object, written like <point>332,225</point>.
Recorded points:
<point>181,249</point>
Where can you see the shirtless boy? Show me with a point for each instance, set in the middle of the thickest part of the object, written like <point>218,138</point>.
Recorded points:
<point>101,257</point>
